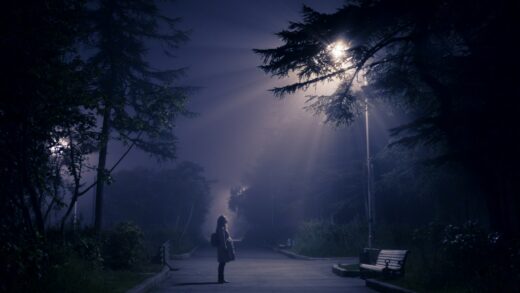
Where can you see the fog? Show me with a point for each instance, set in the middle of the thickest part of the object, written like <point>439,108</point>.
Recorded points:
<point>243,135</point>
<point>238,118</point>
<point>330,129</point>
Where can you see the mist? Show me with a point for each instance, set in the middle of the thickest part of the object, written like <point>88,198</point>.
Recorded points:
<point>145,142</point>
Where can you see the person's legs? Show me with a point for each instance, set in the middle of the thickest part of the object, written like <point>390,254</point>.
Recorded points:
<point>221,272</point>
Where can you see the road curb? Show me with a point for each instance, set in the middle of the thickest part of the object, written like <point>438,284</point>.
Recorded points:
<point>385,287</point>
<point>336,269</point>
<point>297,256</point>
<point>151,282</point>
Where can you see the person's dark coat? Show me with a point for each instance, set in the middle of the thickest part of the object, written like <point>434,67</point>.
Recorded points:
<point>226,250</point>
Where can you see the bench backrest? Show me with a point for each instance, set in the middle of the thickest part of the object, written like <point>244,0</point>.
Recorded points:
<point>394,258</point>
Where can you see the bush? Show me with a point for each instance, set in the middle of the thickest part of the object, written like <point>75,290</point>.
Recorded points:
<point>22,258</point>
<point>464,257</point>
<point>73,274</point>
<point>320,238</point>
<point>124,247</point>
<point>486,261</point>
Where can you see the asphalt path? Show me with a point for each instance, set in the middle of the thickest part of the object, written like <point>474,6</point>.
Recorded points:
<point>258,270</point>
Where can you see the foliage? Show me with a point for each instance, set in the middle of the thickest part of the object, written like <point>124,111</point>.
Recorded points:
<point>139,103</point>
<point>124,248</point>
<point>45,146</point>
<point>138,98</point>
<point>319,238</point>
<point>446,61</point>
<point>408,189</point>
<point>24,258</point>
<point>72,272</point>
<point>44,72</point>
<point>461,256</point>
<point>486,259</point>
<point>43,97</point>
<point>64,263</point>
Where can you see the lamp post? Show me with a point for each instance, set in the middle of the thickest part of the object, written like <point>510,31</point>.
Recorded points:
<point>338,51</point>
<point>369,176</point>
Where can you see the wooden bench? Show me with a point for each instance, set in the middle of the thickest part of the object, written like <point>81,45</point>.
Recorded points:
<point>389,263</point>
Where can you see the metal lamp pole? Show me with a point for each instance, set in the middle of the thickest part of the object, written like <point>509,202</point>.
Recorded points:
<point>369,175</point>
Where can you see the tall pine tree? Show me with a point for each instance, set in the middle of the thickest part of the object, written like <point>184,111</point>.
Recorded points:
<point>136,103</point>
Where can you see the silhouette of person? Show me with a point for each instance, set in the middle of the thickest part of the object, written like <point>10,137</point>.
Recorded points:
<point>225,250</point>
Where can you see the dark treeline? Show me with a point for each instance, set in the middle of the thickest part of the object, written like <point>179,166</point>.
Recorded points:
<point>75,78</point>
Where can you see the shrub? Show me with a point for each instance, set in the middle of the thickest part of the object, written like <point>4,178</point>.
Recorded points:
<point>467,257</point>
<point>22,258</point>
<point>73,274</point>
<point>320,238</point>
<point>486,261</point>
<point>124,247</point>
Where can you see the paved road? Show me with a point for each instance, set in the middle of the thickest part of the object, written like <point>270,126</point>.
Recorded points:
<point>258,270</point>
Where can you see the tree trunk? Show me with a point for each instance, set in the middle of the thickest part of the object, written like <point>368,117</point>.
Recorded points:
<point>101,170</point>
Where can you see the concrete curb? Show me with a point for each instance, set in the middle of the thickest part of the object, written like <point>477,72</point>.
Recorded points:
<point>184,255</point>
<point>297,256</point>
<point>150,282</point>
<point>385,287</point>
<point>154,281</point>
<point>336,269</point>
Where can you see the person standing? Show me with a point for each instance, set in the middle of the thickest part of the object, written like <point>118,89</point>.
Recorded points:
<point>226,249</point>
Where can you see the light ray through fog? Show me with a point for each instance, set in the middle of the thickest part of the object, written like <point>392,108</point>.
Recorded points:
<point>239,119</point>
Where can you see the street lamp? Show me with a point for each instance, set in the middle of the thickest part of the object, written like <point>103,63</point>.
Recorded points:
<point>338,51</point>
<point>369,176</point>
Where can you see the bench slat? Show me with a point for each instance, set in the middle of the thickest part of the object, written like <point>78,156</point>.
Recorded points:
<point>392,263</point>
<point>386,252</point>
<point>391,256</point>
<point>389,264</point>
<point>372,267</point>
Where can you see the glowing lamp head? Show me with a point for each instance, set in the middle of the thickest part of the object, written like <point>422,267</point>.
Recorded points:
<point>337,50</point>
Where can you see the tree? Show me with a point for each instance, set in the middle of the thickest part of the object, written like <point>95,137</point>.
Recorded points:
<point>137,102</point>
<point>43,94</point>
<point>447,61</point>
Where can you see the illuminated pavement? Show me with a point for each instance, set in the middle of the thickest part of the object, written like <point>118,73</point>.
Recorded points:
<point>258,270</point>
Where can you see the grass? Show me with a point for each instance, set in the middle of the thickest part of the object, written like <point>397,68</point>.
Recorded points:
<point>412,284</point>
<point>121,281</point>
<point>80,276</point>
